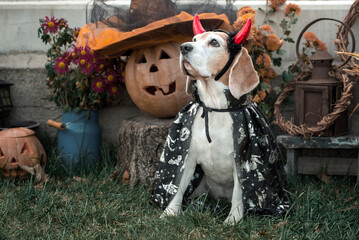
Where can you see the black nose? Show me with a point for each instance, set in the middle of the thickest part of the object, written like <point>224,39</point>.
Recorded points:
<point>185,48</point>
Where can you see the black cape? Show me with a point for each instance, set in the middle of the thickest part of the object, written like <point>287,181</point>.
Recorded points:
<point>257,156</point>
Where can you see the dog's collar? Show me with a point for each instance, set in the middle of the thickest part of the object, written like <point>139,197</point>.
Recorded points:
<point>233,50</point>
<point>234,105</point>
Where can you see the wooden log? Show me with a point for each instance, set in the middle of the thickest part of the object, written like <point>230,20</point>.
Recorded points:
<point>141,142</point>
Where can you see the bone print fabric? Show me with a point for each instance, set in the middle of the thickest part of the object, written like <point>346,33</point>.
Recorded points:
<point>257,157</point>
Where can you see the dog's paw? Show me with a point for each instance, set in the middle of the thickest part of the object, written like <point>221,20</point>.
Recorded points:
<point>232,219</point>
<point>169,212</point>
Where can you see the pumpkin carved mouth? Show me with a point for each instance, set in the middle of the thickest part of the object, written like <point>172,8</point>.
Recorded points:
<point>166,90</point>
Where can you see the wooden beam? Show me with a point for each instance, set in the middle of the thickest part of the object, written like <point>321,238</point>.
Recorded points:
<point>330,166</point>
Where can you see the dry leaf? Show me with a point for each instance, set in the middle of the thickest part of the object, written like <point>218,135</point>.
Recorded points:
<point>79,179</point>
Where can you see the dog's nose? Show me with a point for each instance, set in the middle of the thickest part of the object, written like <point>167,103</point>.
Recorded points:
<point>185,48</point>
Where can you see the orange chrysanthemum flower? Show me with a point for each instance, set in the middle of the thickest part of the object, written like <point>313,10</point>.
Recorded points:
<point>264,60</point>
<point>243,18</point>
<point>291,9</point>
<point>245,10</point>
<point>313,41</point>
<point>267,29</point>
<point>276,3</point>
<point>310,37</point>
<point>272,42</point>
<point>267,73</point>
<point>259,96</point>
<point>262,94</point>
<point>320,46</point>
<point>256,98</point>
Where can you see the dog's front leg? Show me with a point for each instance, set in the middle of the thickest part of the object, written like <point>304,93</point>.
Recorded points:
<point>174,206</point>
<point>237,208</point>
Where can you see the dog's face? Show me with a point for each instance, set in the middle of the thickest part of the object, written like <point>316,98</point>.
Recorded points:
<point>206,56</point>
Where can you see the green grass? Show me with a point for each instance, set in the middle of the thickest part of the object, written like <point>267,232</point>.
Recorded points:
<point>100,208</point>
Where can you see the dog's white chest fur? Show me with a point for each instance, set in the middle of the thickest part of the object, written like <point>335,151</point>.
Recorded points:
<point>216,158</point>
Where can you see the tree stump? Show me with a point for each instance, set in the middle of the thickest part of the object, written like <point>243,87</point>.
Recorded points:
<point>141,141</point>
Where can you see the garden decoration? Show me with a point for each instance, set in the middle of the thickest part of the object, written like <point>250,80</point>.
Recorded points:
<point>80,83</point>
<point>316,92</point>
<point>21,153</point>
<point>342,43</point>
<point>153,79</point>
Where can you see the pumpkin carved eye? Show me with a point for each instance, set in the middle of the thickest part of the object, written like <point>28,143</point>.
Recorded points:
<point>164,55</point>
<point>25,149</point>
<point>142,59</point>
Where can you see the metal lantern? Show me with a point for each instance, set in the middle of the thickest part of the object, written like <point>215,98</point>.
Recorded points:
<point>316,97</point>
<point>5,99</point>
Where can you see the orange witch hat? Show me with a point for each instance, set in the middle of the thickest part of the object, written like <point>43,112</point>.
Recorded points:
<point>111,42</point>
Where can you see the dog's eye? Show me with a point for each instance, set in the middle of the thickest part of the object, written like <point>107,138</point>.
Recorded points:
<point>194,39</point>
<point>214,43</point>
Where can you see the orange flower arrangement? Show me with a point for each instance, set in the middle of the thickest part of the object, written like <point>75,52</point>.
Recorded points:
<point>264,46</point>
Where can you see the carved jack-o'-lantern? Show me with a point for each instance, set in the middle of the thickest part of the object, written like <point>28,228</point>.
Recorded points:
<point>20,151</point>
<point>155,81</point>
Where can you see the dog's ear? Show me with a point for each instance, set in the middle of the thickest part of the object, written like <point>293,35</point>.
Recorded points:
<point>189,83</point>
<point>242,76</point>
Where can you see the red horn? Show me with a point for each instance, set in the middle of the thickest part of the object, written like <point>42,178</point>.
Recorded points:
<point>197,26</point>
<point>243,34</point>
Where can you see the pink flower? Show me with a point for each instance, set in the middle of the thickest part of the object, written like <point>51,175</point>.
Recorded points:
<point>87,68</point>
<point>100,65</point>
<point>85,52</point>
<point>121,71</point>
<point>63,23</point>
<point>113,90</point>
<point>50,25</point>
<point>110,77</point>
<point>98,86</point>
<point>61,66</point>
<point>77,31</point>
<point>67,57</point>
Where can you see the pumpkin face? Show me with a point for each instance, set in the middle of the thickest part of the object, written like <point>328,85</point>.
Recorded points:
<point>155,81</point>
<point>19,147</point>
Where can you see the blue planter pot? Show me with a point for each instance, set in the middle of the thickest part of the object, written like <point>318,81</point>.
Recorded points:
<point>79,144</point>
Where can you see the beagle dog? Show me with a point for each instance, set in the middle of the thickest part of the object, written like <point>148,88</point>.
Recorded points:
<point>221,142</point>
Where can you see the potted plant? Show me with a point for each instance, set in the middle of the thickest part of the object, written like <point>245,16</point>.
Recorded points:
<point>80,83</point>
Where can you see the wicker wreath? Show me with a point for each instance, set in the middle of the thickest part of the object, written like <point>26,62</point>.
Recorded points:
<point>343,103</point>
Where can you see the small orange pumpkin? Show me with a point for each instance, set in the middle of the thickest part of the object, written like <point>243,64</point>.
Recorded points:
<point>19,150</point>
<point>155,81</point>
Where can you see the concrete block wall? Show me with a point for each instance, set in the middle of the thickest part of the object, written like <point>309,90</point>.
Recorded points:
<point>22,54</point>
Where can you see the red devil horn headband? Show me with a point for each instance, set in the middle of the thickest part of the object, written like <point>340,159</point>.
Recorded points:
<point>238,39</point>
<point>197,26</point>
